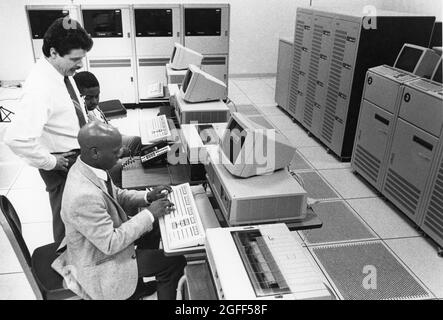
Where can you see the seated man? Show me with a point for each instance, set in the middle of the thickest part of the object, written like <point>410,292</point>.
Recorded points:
<point>89,89</point>
<point>100,260</point>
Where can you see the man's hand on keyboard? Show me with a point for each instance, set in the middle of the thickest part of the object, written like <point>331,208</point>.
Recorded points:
<point>159,193</point>
<point>161,207</point>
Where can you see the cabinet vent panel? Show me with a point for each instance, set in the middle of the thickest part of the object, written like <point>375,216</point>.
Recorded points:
<point>298,44</point>
<point>313,75</point>
<point>335,72</point>
<point>402,191</point>
<point>367,163</point>
<point>434,213</point>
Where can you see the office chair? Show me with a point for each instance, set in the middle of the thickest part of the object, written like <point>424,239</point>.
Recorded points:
<point>46,283</point>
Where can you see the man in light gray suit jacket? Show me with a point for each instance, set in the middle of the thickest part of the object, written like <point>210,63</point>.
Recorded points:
<point>100,260</point>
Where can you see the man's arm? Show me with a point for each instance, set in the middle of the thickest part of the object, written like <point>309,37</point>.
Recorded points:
<point>130,200</point>
<point>90,217</point>
<point>23,133</point>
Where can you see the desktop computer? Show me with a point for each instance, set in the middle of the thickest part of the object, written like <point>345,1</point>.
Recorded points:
<point>246,143</point>
<point>200,98</point>
<point>272,196</point>
<point>200,86</point>
<point>174,76</point>
<point>203,112</point>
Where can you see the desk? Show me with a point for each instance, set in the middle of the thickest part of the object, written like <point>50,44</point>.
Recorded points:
<point>199,284</point>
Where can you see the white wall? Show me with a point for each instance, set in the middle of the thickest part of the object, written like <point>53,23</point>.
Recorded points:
<point>256,26</point>
<point>434,7</point>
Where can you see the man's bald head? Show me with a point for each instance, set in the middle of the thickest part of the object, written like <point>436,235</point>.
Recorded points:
<point>100,144</point>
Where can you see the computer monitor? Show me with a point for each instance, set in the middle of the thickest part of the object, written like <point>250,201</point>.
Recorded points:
<point>103,23</point>
<point>153,22</point>
<point>203,22</point>
<point>40,20</point>
<point>436,76</point>
<point>418,60</point>
<point>248,149</point>
<point>182,57</point>
<point>200,86</point>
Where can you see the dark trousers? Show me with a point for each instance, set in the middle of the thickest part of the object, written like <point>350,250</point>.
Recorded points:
<point>152,262</point>
<point>55,184</point>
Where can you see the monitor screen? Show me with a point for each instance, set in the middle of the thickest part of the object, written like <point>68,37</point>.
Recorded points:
<point>186,80</point>
<point>203,22</point>
<point>236,141</point>
<point>408,59</point>
<point>103,23</point>
<point>153,22</point>
<point>436,38</point>
<point>437,75</point>
<point>40,20</point>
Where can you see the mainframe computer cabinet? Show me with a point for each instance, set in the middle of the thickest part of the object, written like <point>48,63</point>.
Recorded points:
<point>333,49</point>
<point>206,30</point>
<point>111,58</point>
<point>414,147</point>
<point>283,73</point>
<point>157,27</point>
<point>432,217</point>
<point>300,62</point>
<point>378,116</point>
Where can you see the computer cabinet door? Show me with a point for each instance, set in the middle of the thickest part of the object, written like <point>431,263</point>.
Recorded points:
<point>150,70</point>
<point>216,66</point>
<point>381,91</point>
<point>206,28</point>
<point>297,79</point>
<point>422,109</point>
<point>409,165</point>
<point>285,51</point>
<point>340,79</point>
<point>116,78</point>
<point>372,137</point>
<point>432,221</point>
<point>157,28</point>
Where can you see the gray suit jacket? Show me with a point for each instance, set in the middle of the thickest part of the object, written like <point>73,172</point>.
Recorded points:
<point>99,261</point>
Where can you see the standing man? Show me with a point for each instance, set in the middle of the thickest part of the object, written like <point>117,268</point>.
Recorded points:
<point>51,113</point>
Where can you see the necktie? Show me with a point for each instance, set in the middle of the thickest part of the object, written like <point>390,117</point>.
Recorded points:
<point>78,110</point>
<point>109,185</point>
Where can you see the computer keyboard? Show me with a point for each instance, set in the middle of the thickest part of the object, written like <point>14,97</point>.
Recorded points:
<point>154,129</point>
<point>183,225</point>
<point>155,90</point>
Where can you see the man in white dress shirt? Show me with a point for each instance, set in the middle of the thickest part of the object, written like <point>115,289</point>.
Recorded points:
<point>44,131</point>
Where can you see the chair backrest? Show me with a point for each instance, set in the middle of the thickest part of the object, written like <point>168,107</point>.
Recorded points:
<point>10,222</point>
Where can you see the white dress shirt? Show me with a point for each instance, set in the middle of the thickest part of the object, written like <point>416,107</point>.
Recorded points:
<point>46,121</point>
<point>97,115</point>
<point>103,177</point>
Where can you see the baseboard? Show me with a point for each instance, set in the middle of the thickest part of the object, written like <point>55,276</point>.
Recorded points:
<point>251,75</point>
